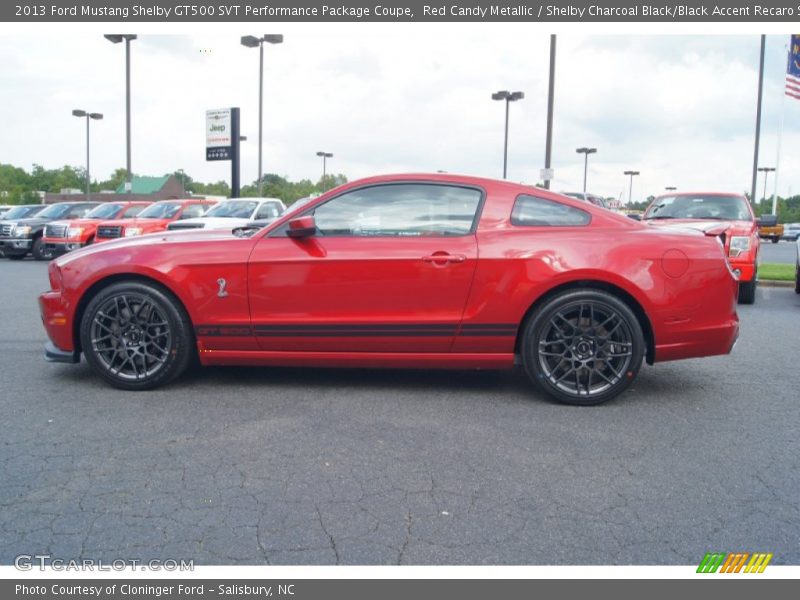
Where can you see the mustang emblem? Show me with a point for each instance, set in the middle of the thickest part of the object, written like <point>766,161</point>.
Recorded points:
<point>222,283</point>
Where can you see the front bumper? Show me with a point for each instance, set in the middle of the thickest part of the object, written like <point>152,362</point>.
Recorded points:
<point>57,323</point>
<point>58,248</point>
<point>746,268</point>
<point>15,244</point>
<point>53,354</point>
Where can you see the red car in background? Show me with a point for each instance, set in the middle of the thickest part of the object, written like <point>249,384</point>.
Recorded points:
<point>63,236</point>
<point>729,214</point>
<point>408,271</point>
<point>152,219</point>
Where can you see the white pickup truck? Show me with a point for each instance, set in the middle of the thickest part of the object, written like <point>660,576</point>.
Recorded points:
<point>236,212</point>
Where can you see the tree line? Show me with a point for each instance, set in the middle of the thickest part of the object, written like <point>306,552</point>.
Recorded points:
<point>18,186</point>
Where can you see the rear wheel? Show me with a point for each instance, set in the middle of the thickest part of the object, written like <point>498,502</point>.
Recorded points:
<point>775,240</point>
<point>136,336</point>
<point>583,347</point>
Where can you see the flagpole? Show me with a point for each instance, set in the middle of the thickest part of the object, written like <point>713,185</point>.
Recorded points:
<point>758,119</point>
<point>780,136</point>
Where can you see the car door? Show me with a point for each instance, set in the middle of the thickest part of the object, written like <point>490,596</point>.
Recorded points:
<point>388,269</point>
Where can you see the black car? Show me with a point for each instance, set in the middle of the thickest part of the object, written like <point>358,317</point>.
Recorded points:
<point>20,236</point>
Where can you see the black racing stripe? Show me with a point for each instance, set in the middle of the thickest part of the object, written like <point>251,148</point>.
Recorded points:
<point>223,330</point>
<point>358,327</point>
<point>348,333</point>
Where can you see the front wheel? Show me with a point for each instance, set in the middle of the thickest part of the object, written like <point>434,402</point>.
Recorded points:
<point>39,250</point>
<point>136,336</point>
<point>583,347</point>
<point>747,291</point>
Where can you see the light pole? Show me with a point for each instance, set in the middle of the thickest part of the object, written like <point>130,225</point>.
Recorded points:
<point>88,115</point>
<point>766,171</point>
<point>116,39</point>
<point>630,189</point>
<point>586,152</point>
<point>252,41</point>
<point>325,156</point>
<point>509,97</point>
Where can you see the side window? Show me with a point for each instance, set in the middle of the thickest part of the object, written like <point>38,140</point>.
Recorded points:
<point>531,211</point>
<point>193,210</point>
<point>411,209</point>
<point>268,210</point>
<point>132,211</point>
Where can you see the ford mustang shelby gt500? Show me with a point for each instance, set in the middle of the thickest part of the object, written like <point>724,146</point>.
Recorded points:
<point>411,271</point>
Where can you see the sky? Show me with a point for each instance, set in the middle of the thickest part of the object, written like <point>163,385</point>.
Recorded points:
<point>678,108</point>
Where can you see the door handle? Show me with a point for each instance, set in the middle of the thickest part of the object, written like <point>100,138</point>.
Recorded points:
<point>444,257</point>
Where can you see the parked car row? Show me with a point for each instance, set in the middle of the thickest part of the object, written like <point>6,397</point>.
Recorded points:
<point>46,231</point>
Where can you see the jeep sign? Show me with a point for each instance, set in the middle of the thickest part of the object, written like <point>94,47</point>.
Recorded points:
<point>219,137</point>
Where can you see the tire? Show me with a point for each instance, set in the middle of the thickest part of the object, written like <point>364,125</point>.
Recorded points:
<point>591,323</point>
<point>39,250</point>
<point>775,240</point>
<point>158,346</point>
<point>797,278</point>
<point>747,291</point>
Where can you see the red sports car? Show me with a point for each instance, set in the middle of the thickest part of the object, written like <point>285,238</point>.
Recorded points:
<point>413,271</point>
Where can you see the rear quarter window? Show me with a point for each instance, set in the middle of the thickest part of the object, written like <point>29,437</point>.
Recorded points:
<point>531,211</point>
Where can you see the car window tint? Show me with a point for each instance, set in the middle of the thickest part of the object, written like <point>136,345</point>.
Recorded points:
<point>400,210</point>
<point>531,211</point>
<point>134,210</point>
<point>269,210</point>
<point>192,211</point>
<point>79,211</point>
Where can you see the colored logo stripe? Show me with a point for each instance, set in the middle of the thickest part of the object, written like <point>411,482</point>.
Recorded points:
<point>733,562</point>
<point>357,330</point>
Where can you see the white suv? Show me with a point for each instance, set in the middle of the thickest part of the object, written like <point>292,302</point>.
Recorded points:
<point>232,213</point>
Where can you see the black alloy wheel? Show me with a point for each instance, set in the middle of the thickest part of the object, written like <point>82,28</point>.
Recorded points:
<point>583,347</point>
<point>136,336</point>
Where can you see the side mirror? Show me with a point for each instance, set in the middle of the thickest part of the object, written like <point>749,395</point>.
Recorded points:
<point>301,227</point>
<point>767,221</point>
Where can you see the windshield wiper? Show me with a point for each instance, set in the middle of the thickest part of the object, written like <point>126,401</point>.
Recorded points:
<point>659,217</point>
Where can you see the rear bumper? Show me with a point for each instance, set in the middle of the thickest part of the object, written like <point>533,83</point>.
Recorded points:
<point>707,341</point>
<point>53,354</point>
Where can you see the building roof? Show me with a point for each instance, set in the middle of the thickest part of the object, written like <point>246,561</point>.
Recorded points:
<point>144,185</point>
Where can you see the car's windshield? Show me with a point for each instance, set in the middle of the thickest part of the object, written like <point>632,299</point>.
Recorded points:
<point>700,206</point>
<point>23,212</point>
<point>55,211</point>
<point>160,210</point>
<point>235,209</point>
<point>104,211</point>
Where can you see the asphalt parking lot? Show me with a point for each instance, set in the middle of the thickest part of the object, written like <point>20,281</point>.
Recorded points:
<point>303,466</point>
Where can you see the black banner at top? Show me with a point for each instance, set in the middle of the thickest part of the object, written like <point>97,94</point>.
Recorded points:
<point>192,11</point>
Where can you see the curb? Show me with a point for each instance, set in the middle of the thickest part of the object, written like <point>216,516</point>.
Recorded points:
<point>775,283</point>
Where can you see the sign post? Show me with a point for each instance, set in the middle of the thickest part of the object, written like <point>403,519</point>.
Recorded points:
<point>222,141</point>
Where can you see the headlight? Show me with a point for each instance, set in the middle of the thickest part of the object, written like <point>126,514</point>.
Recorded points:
<point>132,231</point>
<point>74,232</point>
<point>22,230</point>
<point>739,244</point>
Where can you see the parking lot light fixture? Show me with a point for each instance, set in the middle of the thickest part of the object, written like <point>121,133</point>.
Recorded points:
<point>766,171</point>
<point>586,152</point>
<point>325,156</point>
<point>670,188</point>
<point>632,174</point>
<point>509,97</point>
<point>88,116</point>
<point>116,39</point>
<point>251,41</point>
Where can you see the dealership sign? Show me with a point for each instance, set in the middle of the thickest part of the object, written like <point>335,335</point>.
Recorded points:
<point>219,134</point>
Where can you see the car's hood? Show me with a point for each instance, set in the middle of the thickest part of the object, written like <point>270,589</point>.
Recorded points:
<point>160,237</point>
<point>216,222</point>
<point>77,222</point>
<point>32,221</point>
<point>704,225</point>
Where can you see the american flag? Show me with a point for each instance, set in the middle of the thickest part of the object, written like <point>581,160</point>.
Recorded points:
<point>793,68</point>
